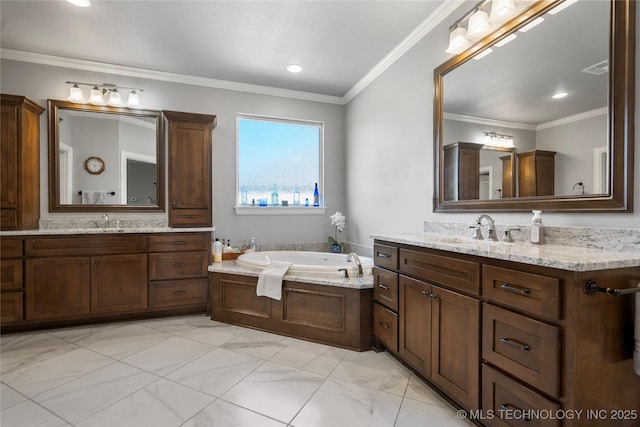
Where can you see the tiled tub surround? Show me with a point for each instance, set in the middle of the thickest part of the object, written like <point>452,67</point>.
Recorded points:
<point>325,310</point>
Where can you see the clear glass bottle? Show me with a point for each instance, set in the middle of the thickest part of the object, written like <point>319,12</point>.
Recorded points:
<point>274,196</point>
<point>296,197</point>
<point>244,198</point>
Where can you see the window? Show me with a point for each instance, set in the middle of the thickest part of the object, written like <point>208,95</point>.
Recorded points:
<point>279,163</point>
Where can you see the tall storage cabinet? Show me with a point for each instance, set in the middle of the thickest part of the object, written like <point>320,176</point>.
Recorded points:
<point>536,173</point>
<point>19,163</point>
<point>190,169</point>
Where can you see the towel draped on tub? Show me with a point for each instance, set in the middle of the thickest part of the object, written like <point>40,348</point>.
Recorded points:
<point>270,279</point>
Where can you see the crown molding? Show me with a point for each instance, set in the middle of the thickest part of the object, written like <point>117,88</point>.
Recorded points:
<point>101,67</point>
<point>440,14</point>
<point>489,122</point>
<point>574,118</point>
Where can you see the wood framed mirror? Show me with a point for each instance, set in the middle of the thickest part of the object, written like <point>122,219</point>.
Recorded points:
<point>104,159</point>
<point>509,92</point>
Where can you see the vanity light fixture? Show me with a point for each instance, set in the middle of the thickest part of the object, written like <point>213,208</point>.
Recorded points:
<point>477,23</point>
<point>492,139</point>
<point>101,91</point>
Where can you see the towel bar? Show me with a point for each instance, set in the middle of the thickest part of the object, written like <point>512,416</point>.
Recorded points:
<point>591,288</point>
<point>111,193</point>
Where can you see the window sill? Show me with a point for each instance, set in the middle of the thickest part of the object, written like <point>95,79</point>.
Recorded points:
<point>280,210</point>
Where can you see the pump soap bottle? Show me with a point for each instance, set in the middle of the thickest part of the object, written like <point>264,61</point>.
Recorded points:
<point>537,229</point>
<point>217,250</point>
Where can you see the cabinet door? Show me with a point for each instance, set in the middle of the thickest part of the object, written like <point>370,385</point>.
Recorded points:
<point>190,174</point>
<point>455,345</point>
<point>415,324</point>
<point>118,283</point>
<point>9,158</point>
<point>57,288</point>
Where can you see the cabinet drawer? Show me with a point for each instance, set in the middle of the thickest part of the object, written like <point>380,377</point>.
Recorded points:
<point>533,293</point>
<point>443,270</point>
<point>10,248</point>
<point>526,348</point>
<point>178,265</point>
<point>11,307</point>
<point>385,256</point>
<point>509,400</point>
<point>190,218</point>
<point>178,293</point>
<point>179,242</point>
<point>85,245</point>
<point>385,326</point>
<point>10,274</point>
<point>385,288</point>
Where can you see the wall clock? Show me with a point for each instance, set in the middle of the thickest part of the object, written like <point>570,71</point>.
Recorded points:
<point>94,165</point>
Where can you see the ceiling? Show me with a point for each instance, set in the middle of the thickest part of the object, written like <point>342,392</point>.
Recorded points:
<point>251,42</point>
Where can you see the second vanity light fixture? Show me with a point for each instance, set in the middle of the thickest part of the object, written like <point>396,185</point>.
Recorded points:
<point>493,139</point>
<point>103,94</point>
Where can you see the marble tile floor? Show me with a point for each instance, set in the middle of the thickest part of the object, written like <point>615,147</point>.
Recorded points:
<point>192,371</point>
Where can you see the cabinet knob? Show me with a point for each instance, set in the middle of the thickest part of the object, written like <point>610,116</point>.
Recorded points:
<point>433,296</point>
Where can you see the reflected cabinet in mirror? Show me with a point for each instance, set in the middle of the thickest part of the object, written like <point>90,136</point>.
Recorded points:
<point>503,142</point>
<point>105,158</point>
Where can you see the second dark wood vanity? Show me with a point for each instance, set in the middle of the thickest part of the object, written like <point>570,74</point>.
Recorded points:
<point>498,336</point>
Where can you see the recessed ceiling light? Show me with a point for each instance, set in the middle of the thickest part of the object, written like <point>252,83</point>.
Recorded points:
<point>560,95</point>
<point>294,68</point>
<point>80,3</point>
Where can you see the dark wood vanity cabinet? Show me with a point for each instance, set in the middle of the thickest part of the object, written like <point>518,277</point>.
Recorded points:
<point>53,280</point>
<point>504,336</point>
<point>190,168</point>
<point>19,163</point>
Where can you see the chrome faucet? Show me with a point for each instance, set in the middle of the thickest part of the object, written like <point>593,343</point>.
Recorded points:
<point>491,226</point>
<point>353,255</point>
<point>105,220</point>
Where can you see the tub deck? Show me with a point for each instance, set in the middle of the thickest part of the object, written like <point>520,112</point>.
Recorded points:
<point>334,312</point>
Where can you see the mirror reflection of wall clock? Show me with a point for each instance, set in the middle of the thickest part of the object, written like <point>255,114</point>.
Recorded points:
<point>94,165</point>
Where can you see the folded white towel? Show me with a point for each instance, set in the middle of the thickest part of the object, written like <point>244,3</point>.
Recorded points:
<point>95,197</point>
<point>636,335</point>
<point>270,279</point>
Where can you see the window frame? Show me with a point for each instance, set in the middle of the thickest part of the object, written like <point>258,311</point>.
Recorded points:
<point>280,210</point>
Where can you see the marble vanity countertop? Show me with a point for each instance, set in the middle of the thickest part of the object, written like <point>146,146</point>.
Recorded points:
<point>230,267</point>
<point>562,257</point>
<point>79,231</point>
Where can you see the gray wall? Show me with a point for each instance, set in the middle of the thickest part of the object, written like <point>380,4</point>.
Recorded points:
<point>42,82</point>
<point>390,153</point>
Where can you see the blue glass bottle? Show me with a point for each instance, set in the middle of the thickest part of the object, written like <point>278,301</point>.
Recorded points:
<point>316,196</point>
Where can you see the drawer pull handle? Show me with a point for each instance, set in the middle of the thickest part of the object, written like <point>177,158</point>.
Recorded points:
<point>179,292</point>
<point>179,264</point>
<point>381,286</point>
<point>515,290</point>
<point>509,407</point>
<point>514,343</point>
<point>179,242</point>
<point>385,325</point>
<point>189,216</point>
<point>381,255</point>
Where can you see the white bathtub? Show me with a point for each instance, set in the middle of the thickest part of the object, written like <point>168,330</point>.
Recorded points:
<point>312,264</point>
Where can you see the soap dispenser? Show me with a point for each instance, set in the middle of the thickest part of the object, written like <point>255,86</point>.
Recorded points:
<point>537,229</point>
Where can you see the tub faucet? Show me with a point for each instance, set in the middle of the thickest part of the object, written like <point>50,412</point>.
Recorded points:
<point>491,226</point>
<point>353,255</point>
